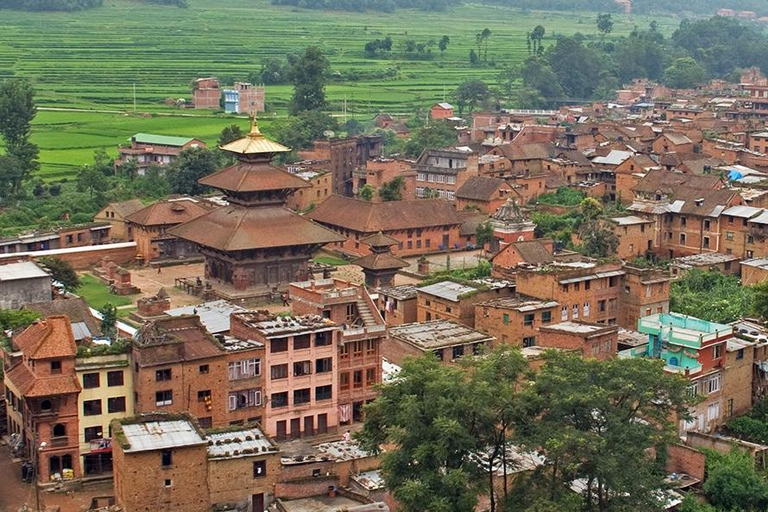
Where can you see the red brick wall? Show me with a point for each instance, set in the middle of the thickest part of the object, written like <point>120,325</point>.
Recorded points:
<point>684,459</point>
<point>396,351</point>
<point>490,320</point>
<point>429,241</point>
<point>600,347</point>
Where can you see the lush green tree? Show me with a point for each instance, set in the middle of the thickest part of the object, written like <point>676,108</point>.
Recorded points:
<point>432,417</point>
<point>309,75</point>
<point>576,65</point>
<point>604,24</point>
<point>443,43</point>
<point>62,272</point>
<point>733,484</point>
<point>153,185</point>
<point>590,208</point>
<point>564,196</point>
<point>17,110</point>
<point>273,71</point>
<point>353,127</point>
<point>600,421</point>
<point>760,300</point>
<point>481,38</point>
<point>299,131</point>
<point>392,190</point>
<point>539,76</point>
<point>685,73</point>
<point>597,241</point>
<point>471,94</point>
<point>109,320</point>
<point>484,233</point>
<point>710,296</point>
<point>537,35</point>
<point>191,165</point>
<point>11,319</point>
<point>474,60</point>
<point>90,179</point>
<point>367,192</point>
<point>230,133</point>
<point>438,134</point>
<point>130,168</point>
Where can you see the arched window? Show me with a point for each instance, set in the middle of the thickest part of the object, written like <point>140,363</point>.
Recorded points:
<point>673,361</point>
<point>45,405</point>
<point>59,430</point>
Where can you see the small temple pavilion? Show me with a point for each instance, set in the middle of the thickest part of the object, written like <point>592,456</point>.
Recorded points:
<point>380,266</point>
<point>510,225</point>
<point>255,244</point>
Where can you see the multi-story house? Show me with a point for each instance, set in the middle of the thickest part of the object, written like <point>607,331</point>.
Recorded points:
<point>448,300</point>
<point>360,346</point>
<point>179,367</point>
<point>42,395</point>
<point>301,360</point>
<point>397,304</point>
<point>107,394</point>
<point>603,293</point>
<point>442,172</point>
<point>448,341</point>
<point>696,349</point>
<point>515,320</point>
<point>147,150</point>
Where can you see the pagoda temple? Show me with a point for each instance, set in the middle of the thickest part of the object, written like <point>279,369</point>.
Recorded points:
<point>255,244</point>
<point>510,225</point>
<point>381,265</point>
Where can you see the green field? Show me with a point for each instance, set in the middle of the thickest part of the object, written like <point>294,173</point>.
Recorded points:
<point>92,60</point>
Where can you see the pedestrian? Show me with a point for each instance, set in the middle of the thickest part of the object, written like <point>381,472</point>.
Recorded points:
<point>285,299</point>
<point>159,269</point>
<point>347,437</point>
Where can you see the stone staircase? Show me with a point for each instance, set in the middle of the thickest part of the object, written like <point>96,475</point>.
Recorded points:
<point>365,314</point>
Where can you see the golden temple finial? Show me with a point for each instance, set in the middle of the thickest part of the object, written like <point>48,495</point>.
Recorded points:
<point>255,133</point>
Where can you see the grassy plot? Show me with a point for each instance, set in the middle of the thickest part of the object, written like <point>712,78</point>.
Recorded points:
<point>94,58</point>
<point>97,294</point>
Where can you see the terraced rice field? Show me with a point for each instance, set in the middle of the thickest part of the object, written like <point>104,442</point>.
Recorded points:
<point>92,59</point>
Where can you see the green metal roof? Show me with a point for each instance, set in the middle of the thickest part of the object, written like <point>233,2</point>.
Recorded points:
<point>165,140</point>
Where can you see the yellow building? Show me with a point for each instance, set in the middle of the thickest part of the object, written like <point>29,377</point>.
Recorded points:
<point>107,394</point>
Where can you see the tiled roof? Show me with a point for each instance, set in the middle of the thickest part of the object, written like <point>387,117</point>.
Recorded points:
<point>169,211</point>
<point>238,228</point>
<point>125,208</point>
<point>32,386</point>
<point>380,261</point>
<point>479,188</point>
<point>366,217</point>
<point>671,182</point>
<point>47,338</point>
<point>531,151</point>
<point>676,138</point>
<point>253,177</point>
<point>75,309</point>
<point>534,252</point>
<point>379,240</point>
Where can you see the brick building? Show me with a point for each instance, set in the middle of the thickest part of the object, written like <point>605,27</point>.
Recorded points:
<point>515,320</point>
<point>244,98</point>
<point>342,156</point>
<point>636,236</point>
<point>301,358</point>
<point>485,194</point>
<point>595,341</point>
<point>531,252</point>
<point>397,304</point>
<point>206,93</point>
<point>115,214</point>
<point>448,341</point>
<point>448,300</point>
<point>321,187</point>
<point>442,172</point>
<point>672,142</point>
<point>420,226</point>
<point>606,293</point>
<point>441,111</point>
<point>67,237</point>
<point>379,171</point>
<point>180,367</point>
<point>754,271</point>
<point>150,226</point>
<point>41,391</point>
<point>360,346</point>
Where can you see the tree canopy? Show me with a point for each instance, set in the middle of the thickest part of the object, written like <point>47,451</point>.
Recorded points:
<point>309,75</point>
<point>710,296</point>
<point>17,110</point>
<point>62,272</point>
<point>191,165</point>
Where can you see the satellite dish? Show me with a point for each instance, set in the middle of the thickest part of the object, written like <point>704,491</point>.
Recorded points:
<point>328,134</point>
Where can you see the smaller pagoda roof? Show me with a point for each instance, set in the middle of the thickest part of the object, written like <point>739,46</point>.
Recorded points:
<point>250,177</point>
<point>509,212</point>
<point>380,240</point>
<point>380,261</point>
<point>254,143</point>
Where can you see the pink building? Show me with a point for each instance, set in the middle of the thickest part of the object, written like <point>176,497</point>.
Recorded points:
<point>441,111</point>
<point>300,364</point>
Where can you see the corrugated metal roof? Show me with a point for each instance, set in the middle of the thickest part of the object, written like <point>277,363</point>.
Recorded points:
<point>80,331</point>
<point>742,211</point>
<point>760,219</point>
<point>630,220</point>
<point>156,435</point>
<point>447,290</point>
<point>213,315</point>
<point>164,140</point>
<point>21,270</point>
